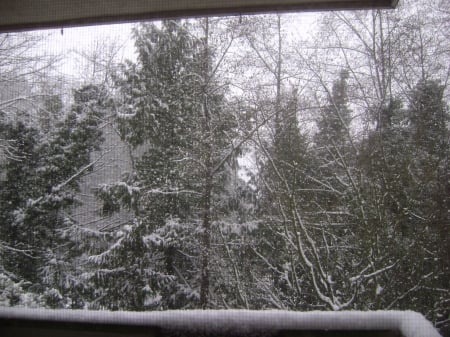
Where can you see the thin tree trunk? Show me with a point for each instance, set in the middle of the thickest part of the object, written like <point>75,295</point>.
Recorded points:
<point>206,225</point>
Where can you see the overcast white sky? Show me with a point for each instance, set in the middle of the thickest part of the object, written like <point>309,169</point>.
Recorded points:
<point>69,41</point>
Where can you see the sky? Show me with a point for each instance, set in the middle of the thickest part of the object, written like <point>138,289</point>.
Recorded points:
<point>70,41</point>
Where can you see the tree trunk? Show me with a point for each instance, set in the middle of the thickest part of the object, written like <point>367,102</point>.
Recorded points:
<point>206,226</point>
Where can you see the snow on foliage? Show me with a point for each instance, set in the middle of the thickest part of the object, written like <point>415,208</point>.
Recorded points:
<point>292,184</point>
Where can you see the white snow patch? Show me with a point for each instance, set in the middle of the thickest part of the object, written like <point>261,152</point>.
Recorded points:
<point>379,289</point>
<point>152,300</point>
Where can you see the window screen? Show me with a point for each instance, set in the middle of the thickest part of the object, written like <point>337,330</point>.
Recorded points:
<point>282,161</point>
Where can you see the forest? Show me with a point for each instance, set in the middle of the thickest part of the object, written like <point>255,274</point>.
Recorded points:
<point>255,167</point>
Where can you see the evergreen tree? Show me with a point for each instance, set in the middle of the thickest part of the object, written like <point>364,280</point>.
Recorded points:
<point>49,114</point>
<point>385,194</point>
<point>429,189</point>
<point>17,191</point>
<point>290,148</point>
<point>334,121</point>
<point>305,274</point>
<point>174,116</point>
<point>333,147</point>
<point>159,98</point>
<point>39,188</point>
<point>404,160</point>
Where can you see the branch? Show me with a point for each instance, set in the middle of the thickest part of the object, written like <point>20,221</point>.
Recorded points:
<point>26,252</point>
<point>375,273</point>
<point>58,187</point>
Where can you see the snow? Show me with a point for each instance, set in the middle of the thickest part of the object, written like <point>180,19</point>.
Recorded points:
<point>130,189</point>
<point>126,115</point>
<point>152,301</point>
<point>238,228</point>
<point>409,323</point>
<point>379,289</point>
<point>18,216</point>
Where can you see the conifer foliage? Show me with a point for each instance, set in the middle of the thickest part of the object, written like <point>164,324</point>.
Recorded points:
<point>39,190</point>
<point>261,175</point>
<point>173,115</point>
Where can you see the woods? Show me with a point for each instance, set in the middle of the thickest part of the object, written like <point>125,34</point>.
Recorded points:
<point>266,169</point>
